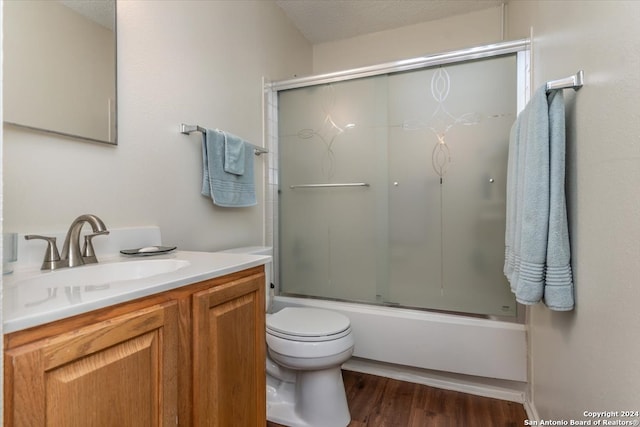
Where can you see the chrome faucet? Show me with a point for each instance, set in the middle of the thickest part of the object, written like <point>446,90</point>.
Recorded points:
<point>72,256</point>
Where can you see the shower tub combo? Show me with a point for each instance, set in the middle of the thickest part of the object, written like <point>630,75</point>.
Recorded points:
<point>387,192</point>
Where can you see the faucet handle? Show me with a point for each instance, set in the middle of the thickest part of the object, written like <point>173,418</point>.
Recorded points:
<point>51,256</point>
<point>88,253</point>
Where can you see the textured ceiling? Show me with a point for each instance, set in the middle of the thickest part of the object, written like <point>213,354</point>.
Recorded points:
<point>100,11</point>
<point>327,20</point>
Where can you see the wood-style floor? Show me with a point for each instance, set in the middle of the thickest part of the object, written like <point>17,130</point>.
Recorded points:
<point>382,402</point>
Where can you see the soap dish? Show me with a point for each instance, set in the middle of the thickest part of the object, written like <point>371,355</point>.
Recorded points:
<point>148,250</point>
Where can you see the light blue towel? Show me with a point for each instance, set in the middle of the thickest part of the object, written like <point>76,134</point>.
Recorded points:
<point>558,290</point>
<point>511,196</point>
<point>225,189</point>
<point>234,158</point>
<point>537,255</point>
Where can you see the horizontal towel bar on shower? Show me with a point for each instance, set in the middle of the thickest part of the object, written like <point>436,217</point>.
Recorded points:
<point>572,82</point>
<point>187,129</point>
<point>344,184</point>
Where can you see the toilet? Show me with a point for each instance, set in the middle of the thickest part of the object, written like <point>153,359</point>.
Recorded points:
<point>305,349</point>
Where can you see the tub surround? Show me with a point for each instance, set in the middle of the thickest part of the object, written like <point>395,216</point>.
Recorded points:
<point>427,340</point>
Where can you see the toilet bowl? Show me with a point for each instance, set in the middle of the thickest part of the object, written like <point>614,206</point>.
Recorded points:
<point>305,349</point>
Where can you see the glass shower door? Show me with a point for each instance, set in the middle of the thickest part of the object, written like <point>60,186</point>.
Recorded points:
<point>392,187</point>
<point>332,147</point>
<point>447,179</point>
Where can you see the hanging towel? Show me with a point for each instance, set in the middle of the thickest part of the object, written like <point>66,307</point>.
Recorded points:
<point>537,255</point>
<point>234,148</point>
<point>225,189</point>
<point>558,290</point>
<point>529,240</point>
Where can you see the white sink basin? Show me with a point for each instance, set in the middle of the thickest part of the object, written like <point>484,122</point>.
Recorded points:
<point>100,274</point>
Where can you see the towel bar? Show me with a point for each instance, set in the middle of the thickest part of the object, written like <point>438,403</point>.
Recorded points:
<point>572,82</point>
<point>187,129</point>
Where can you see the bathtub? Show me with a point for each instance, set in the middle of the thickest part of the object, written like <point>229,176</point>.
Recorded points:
<point>428,340</point>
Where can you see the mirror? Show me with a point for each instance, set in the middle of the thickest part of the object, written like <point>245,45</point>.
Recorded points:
<point>60,67</point>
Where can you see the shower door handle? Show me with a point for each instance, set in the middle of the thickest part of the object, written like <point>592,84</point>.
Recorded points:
<point>345,184</point>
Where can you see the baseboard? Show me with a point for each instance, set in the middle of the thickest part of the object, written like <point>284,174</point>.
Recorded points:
<point>513,391</point>
<point>530,409</point>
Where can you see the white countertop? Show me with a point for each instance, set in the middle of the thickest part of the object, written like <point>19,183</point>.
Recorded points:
<point>32,304</point>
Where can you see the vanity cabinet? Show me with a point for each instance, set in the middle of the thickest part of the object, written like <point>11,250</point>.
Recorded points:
<point>78,378</point>
<point>229,355</point>
<point>192,356</point>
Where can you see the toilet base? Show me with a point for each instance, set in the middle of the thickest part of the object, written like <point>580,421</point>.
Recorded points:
<point>281,403</point>
<point>315,399</point>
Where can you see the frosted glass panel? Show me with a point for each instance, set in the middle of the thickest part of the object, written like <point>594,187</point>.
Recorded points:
<point>448,156</point>
<point>428,230</point>
<point>330,237</point>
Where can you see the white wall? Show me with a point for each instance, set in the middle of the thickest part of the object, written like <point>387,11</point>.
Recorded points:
<point>198,62</point>
<point>587,359</point>
<point>457,32</point>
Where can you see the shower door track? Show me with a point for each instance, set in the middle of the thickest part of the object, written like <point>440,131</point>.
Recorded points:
<point>478,52</point>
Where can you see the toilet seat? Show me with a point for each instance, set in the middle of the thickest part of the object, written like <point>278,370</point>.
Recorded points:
<point>308,324</point>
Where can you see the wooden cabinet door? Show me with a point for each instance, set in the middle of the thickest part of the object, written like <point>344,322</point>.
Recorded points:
<point>119,372</point>
<point>229,354</point>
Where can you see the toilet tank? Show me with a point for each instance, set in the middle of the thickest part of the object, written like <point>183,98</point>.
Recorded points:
<point>259,250</point>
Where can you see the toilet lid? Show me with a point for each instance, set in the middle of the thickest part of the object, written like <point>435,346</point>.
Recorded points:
<point>307,322</point>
